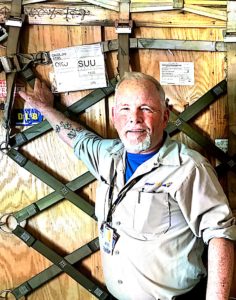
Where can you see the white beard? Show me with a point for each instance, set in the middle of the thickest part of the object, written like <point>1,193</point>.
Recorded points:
<point>139,147</point>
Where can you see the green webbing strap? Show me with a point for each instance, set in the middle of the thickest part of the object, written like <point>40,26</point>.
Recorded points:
<point>14,23</point>
<point>48,274</point>
<point>76,108</point>
<point>51,181</point>
<point>62,263</point>
<point>51,199</point>
<point>28,75</point>
<point>223,167</point>
<point>203,141</point>
<point>203,102</point>
<point>166,44</point>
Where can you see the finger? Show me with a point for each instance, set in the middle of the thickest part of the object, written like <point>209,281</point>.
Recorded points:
<point>44,86</point>
<point>37,85</point>
<point>23,95</point>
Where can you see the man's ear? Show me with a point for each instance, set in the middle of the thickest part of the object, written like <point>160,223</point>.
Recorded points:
<point>166,116</point>
<point>113,114</point>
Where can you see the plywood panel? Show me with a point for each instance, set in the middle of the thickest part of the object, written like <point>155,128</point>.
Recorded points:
<point>63,227</point>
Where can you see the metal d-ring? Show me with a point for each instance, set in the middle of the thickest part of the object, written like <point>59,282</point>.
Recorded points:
<point>5,223</point>
<point>4,294</point>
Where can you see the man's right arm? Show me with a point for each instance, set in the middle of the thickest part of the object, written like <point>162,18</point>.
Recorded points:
<point>42,99</point>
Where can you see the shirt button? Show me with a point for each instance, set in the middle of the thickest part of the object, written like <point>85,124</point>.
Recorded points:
<point>120,281</point>
<point>118,223</point>
<point>117,252</point>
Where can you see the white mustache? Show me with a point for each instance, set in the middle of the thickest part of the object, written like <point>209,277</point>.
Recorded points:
<point>137,130</point>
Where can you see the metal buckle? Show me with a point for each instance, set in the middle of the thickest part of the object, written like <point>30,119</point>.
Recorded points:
<point>6,64</point>
<point>123,26</point>
<point>229,37</point>
<point>14,21</point>
<point>3,33</point>
<point>43,58</point>
<point>10,64</point>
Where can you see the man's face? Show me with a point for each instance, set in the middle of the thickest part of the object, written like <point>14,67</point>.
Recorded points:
<point>138,116</point>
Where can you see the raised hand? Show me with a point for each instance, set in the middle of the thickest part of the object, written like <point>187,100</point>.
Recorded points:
<point>41,97</point>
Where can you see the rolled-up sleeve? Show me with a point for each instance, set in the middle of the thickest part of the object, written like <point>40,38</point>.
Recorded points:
<point>205,205</point>
<point>93,150</point>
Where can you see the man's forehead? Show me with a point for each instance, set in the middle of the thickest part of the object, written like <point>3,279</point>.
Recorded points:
<point>138,90</point>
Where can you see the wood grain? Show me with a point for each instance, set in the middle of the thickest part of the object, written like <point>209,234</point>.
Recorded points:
<point>64,227</point>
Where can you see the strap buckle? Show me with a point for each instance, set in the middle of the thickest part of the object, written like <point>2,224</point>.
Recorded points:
<point>15,21</point>
<point>43,57</point>
<point>123,26</point>
<point>3,33</point>
<point>10,64</point>
<point>229,36</point>
<point>6,64</point>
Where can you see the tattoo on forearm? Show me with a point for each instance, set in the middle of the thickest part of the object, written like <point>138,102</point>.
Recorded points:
<point>72,133</point>
<point>58,128</point>
<point>67,126</point>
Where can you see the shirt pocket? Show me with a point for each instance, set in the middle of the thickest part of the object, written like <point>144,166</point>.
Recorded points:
<point>101,205</point>
<point>152,213</point>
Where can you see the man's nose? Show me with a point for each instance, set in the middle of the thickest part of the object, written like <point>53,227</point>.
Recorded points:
<point>136,116</point>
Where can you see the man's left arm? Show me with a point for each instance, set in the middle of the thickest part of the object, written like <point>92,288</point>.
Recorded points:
<point>220,268</point>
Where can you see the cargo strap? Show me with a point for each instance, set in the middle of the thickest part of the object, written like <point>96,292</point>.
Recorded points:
<point>179,122</point>
<point>43,57</point>
<point>228,162</point>
<point>48,274</point>
<point>60,262</point>
<point>123,28</point>
<point>51,181</point>
<point>52,198</point>
<point>203,102</point>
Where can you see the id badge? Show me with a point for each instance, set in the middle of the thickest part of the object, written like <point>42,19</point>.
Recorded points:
<point>109,238</point>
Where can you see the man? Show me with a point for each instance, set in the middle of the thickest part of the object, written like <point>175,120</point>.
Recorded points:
<point>158,202</point>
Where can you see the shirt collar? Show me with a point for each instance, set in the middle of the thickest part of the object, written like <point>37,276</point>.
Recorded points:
<point>169,153</point>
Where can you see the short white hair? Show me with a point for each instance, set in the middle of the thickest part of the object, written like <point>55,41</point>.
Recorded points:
<point>142,76</point>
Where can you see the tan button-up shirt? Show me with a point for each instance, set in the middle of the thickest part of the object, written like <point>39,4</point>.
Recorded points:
<point>162,222</point>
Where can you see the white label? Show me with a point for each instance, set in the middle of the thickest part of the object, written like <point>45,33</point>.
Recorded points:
<point>222,144</point>
<point>177,73</point>
<point>78,68</point>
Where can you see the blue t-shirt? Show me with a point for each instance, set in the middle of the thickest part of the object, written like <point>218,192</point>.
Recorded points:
<point>133,161</point>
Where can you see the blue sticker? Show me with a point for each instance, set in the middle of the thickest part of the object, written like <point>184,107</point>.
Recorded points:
<point>27,117</point>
